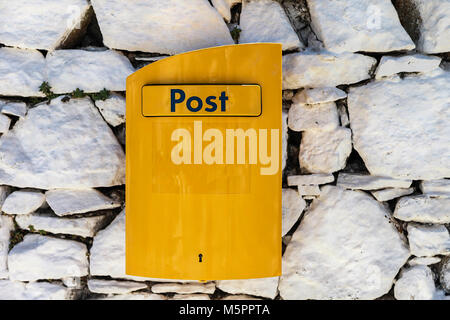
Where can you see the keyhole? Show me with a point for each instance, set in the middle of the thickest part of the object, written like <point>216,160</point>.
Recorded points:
<point>200,257</point>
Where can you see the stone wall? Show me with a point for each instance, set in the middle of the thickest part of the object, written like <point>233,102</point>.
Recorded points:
<point>366,105</point>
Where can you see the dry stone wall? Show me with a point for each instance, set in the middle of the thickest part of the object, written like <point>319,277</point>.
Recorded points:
<point>366,143</point>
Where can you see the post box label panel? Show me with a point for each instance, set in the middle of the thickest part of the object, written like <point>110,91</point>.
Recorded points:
<point>203,184</point>
<point>201,100</point>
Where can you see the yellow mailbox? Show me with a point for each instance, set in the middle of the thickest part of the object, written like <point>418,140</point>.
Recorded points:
<point>203,165</point>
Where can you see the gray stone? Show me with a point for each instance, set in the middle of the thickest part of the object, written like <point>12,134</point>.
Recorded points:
<point>392,140</point>
<point>112,109</point>
<point>32,154</point>
<point>323,151</point>
<point>22,72</point>
<point>345,248</point>
<point>18,109</point>
<point>40,24</point>
<point>42,257</point>
<point>293,206</point>
<point>15,290</point>
<point>169,26</point>
<point>114,286</point>
<point>368,182</point>
<point>310,179</point>
<point>262,287</point>
<point>184,288</point>
<point>23,202</point>
<point>313,116</point>
<point>415,283</point>
<point>422,208</point>
<point>358,25</point>
<point>411,63</point>
<point>436,188</point>
<point>324,69</point>
<point>67,201</point>
<point>69,70</point>
<point>6,226</point>
<point>428,240</point>
<point>391,193</point>
<point>83,227</point>
<point>266,21</point>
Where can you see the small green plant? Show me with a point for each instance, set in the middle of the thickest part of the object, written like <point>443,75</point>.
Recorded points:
<point>31,227</point>
<point>102,95</point>
<point>16,236</point>
<point>78,93</point>
<point>42,232</point>
<point>46,89</point>
<point>235,33</point>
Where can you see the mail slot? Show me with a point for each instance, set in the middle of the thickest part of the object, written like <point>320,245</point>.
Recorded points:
<point>203,165</point>
<point>205,100</point>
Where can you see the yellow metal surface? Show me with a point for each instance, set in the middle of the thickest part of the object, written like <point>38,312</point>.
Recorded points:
<point>196,212</point>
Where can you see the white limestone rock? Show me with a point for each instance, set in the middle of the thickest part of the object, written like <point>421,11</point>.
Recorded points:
<point>42,257</point>
<point>391,193</point>
<point>190,297</point>
<point>411,63</point>
<point>325,151</point>
<point>18,109</point>
<point>359,259</point>
<point>32,155</point>
<point>73,282</point>
<point>15,290</point>
<point>114,286</point>
<point>22,71</point>
<point>358,25</point>
<point>83,227</point>
<point>428,240</point>
<point>5,123</point>
<point>310,179</point>
<point>90,71</point>
<point>284,137</point>
<point>4,192</point>
<point>368,182</point>
<point>423,261</point>
<point>261,287</point>
<point>266,21</point>
<point>223,7</point>
<point>421,208</point>
<point>324,69</point>
<point>40,24</point>
<point>6,226</point>
<point>184,288</point>
<point>239,297</point>
<point>292,208</point>
<point>310,191</point>
<point>169,26</point>
<point>71,201</point>
<point>435,25</point>
<point>112,109</point>
<point>107,254</point>
<point>134,296</point>
<point>313,116</point>
<point>444,275</point>
<point>392,140</point>
<point>343,115</point>
<point>415,283</point>
<point>319,95</point>
<point>436,188</point>
<point>23,202</point>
